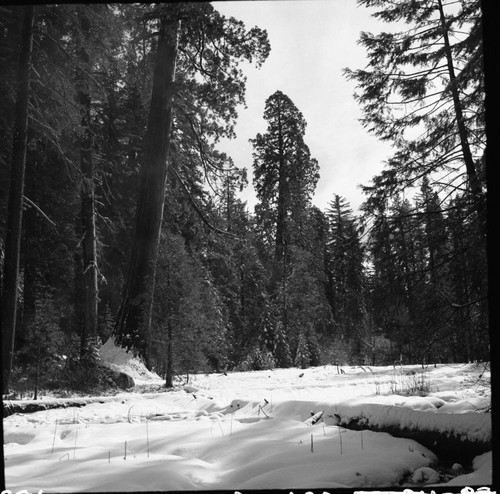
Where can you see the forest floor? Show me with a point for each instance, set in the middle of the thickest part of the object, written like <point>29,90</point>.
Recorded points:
<point>249,430</point>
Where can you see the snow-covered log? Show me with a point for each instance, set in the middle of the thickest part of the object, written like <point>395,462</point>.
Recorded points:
<point>11,407</point>
<point>315,417</point>
<point>447,435</point>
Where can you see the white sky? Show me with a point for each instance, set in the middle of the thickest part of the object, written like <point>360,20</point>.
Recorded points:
<point>311,42</point>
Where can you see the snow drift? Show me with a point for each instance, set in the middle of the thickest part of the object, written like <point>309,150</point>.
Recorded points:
<point>250,430</point>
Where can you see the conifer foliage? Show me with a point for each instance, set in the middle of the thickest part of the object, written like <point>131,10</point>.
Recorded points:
<point>120,217</point>
<point>10,272</point>
<point>285,174</point>
<point>423,90</point>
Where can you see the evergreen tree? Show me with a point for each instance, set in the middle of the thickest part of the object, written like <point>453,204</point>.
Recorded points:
<point>465,293</point>
<point>285,175</point>
<point>281,346</point>
<point>9,285</point>
<point>134,317</point>
<point>429,204</point>
<point>41,356</point>
<point>189,326</point>
<point>217,68</point>
<point>90,89</point>
<point>345,268</point>
<point>53,233</point>
<point>302,354</point>
<point>9,49</point>
<point>87,168</point>
<point>252,295</point>
<point>393,302</point>
<point>424,281</point>
<point>423,90</point>
<point>308,314</point>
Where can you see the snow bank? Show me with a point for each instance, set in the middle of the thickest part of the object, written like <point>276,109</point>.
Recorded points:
<point>425,475</point>
<point>240,431</point>
<point>117,358</point>
<point>474,427</point>
<point>482,474</point>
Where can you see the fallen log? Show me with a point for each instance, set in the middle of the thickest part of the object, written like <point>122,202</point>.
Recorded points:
<point>120,379</point>
<point>31,406</point>
<point>315,417</point>
<point>448,443</point>
<point>10,407</point>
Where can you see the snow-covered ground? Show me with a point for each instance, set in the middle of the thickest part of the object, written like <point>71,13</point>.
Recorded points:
<point>248,430</point>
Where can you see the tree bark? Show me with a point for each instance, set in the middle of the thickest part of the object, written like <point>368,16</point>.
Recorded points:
<point>474,184</point>
<point>8,309</point>
<point>132,329</point>
<point>281,233</point>
<point>281,219</point>
<point>169,375</point>
<point>87,196</point>
<point>28,254</point>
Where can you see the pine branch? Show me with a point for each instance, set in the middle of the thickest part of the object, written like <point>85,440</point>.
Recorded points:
<point>456,305</point>
<point>30,203</point>
<point>205,159</point>
<point>415,100</point>
<point>53,138</point>
<point>198,210</point>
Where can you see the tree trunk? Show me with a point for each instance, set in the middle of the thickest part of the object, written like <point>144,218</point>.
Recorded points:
<point>474,184</point>
<point>8,309</point>
<point>29,256</point>
<point>87,196</point>
<point>228,206</point>
<point>281,233</point>
<point>281,220</point>
<point>132,329</point>
<point>169,377</point>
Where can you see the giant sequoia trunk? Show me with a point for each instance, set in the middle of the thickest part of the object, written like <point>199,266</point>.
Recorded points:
<point>132,329</point>
<point>281,234</point>
<point>8,309</point>
<point>281,220</point>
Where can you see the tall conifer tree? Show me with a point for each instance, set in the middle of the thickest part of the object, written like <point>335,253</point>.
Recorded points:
<point>208,86</point>
<point>8,307</point>
<point>285,174</point>
<point>423,90</point>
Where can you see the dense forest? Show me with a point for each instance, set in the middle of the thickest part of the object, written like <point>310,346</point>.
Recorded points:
<point>119,216</point>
